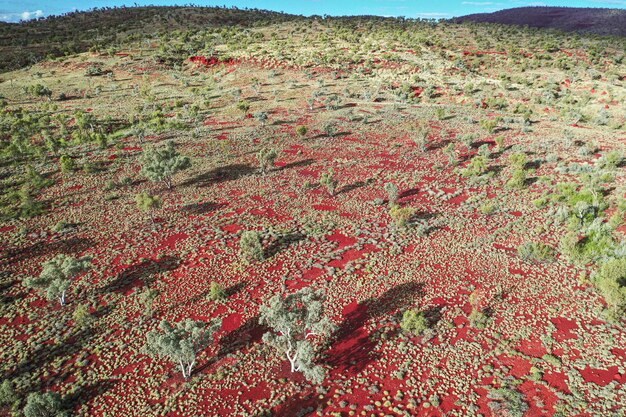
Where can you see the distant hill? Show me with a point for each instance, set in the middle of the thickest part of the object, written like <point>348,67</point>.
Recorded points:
<point>570,19</point>
<point>28,42</point>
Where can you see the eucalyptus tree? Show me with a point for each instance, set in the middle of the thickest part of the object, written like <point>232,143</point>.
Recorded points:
<point>181,342</point>
<point>57,275</point>
<point>294,320</point>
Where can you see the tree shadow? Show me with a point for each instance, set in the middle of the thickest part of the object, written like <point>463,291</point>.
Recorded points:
<point>88,392</point>
<point>353,344</point>
<point>282,242</point>
<point>433,315</point>
<point>479,143</point>
<point>398,298</point>
<point>281,122</point>
<point>530,181</point>
<point>297,164</point>
<point>7,282</point>
<point>221,174</point>
<point>248,333</point>
<point>202,208</point>
<point>103,311</point>
<point>496,169</point>
<point>353,186</point>
<point>536,164</point>
<point>327,136</point>
<point>143,271</point>
<point>74,246</point>
<point>234,289</point>
<point>297,405</point>
<point>439,145</point>
<point>423,216</point>
<point>46,354</point>
<point>409,193</point>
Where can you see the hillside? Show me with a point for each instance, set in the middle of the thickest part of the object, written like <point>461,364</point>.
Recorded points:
<point>29,42</point>
<point>313,217</point>
<point>608,22</point>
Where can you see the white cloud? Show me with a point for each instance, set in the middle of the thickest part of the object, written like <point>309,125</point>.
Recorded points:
<point>433,15</point>
<point>25,15</point>
<point>31,15</point>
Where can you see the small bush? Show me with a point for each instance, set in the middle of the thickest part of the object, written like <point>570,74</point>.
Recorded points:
<point>487,208</point>
<point>536,252</point>
<point>401,215</point>
<point>250,246</point>
<point>414,322</point>
<point>302,130</point>
<point>518,179</point>
<point>392,192</point>
<point>611,282</point>
<point>216,292</point>
<point>67,164</point>
<point>329,181</point>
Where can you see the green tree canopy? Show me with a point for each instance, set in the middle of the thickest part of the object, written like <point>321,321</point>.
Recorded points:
<point>294,319</point>
<point>57,275</point>
<point>180,342</point>
<point>43,405</point>
<point>160,164</point>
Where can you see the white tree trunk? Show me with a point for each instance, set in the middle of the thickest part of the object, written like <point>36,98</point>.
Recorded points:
<point>62,298</point>
<point>182,368</point>
<point>290,358</point>
<point>190,367</point>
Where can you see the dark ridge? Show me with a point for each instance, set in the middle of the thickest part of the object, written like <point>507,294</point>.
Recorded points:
<point>599,21</point>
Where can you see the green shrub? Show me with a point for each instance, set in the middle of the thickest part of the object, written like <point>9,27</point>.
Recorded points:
<point>414,322</point>
<point>43,405</point>
<point>7,393</point>
<point>67,164</point>
<point>490,125</point>
<point>251,247</point>
<point>536,252</point>
<point>216,292</point>
<point>594,245</point>
<point>552,360</point>
<point>401,215</point>
<point>82,316</point>
<point>39,90</point>
<point>611,282</point>
<point>302,130</point>
<point>392,192</point>
<point>243,106</point>
<point>478,319</point>
<point>487,208</point>
<point>329,181</point>
<point>518,179</point>
<point>507,402</point>
<point>518,160</point>
<point>476,167</point>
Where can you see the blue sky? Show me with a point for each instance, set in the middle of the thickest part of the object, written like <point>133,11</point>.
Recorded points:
<point>15,10</point>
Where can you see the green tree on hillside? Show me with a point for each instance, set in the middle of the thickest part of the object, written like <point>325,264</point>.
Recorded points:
<point>160,164</point>
<point>57,275</point>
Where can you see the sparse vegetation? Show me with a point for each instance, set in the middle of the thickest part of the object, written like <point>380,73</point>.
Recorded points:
<point>475,171</point>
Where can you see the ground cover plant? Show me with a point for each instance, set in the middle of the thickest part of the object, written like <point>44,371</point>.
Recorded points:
<point>315,217</point>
